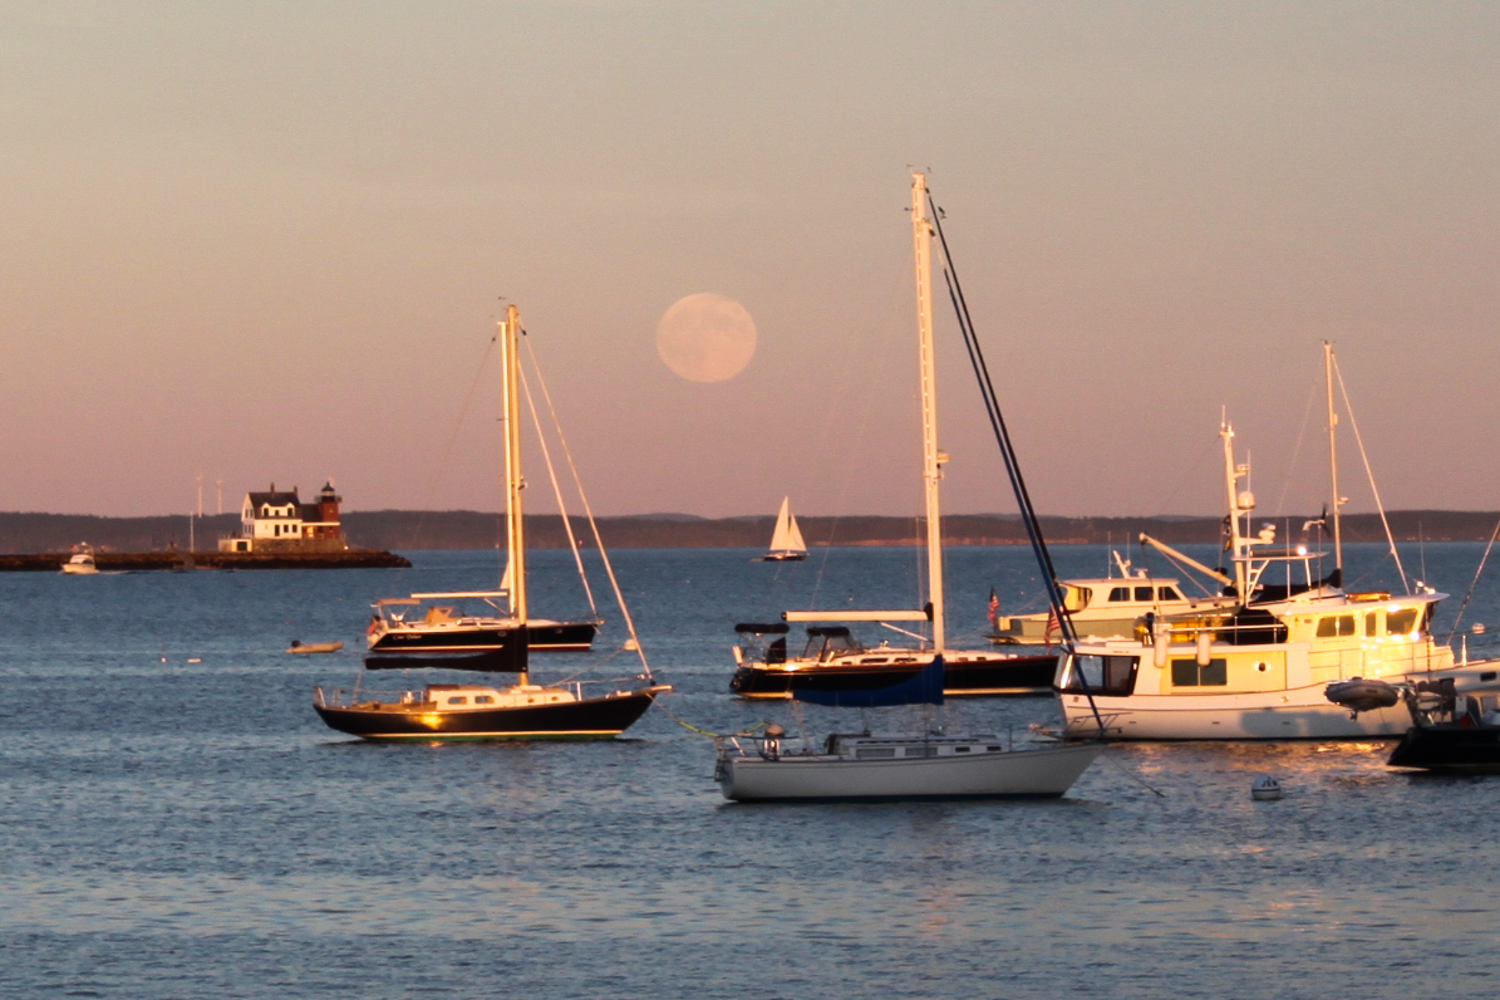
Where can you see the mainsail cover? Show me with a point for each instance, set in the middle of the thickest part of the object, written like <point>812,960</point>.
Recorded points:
<point>926,688</point>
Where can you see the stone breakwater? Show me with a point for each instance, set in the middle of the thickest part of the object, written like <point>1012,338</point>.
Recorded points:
<point>173,560</point>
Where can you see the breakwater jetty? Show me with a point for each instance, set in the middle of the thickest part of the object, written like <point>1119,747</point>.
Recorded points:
<point>45,562</point>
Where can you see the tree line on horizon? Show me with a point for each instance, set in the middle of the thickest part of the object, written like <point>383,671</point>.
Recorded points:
<point>464,529</point>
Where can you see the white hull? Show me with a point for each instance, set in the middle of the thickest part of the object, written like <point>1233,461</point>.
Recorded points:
<point>1043,772</point>
<point>1302,713</point>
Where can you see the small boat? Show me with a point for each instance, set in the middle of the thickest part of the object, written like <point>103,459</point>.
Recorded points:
<point>786,539</point>
<point>492,644</point>
<point>314,647</point>
<point>765,767</point>
<point>81,563</point>
<point>1451,733</point>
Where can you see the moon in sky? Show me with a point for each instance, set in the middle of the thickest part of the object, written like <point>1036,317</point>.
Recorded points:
<point>706,337</point>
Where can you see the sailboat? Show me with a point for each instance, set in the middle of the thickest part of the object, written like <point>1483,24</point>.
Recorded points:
<point>834,659</point>
<point>786,540</point>
<point>488,645</point>
<point>1258,670</point>
<point>767,767</point>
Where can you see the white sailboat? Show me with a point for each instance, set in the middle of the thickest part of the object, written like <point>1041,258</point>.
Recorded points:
<point>1259,670</point>
<point>834,658</point>
<point>786,539</point>
<point>768,767</point>
<point>493,644</point>
<point>865,766</point>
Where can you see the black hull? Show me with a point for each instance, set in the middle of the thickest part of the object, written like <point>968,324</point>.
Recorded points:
<point>485,649</point>
<point>784,557</point>
<point>1453,749</point>
<point>589,719</point>
<point>992,675</point>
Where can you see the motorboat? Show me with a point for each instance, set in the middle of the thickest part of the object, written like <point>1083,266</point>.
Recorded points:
<point>1110,607</point>
<point>81,563</point>
<point>492,644</point>
<point>1258,669</point>
<point>833,657</point>
<point>310,648</point>
<point>786,538</point>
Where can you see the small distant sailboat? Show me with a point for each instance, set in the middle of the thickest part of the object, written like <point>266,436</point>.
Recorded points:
<point>786,540</point>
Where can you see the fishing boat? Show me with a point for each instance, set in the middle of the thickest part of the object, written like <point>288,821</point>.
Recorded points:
<point>786,538</point>
<point>523,710</point>
<point>1258,670</point>
<point>833,657</point>
<point>81,563</point>
<point>1450,733</point>
<point>931,764</point>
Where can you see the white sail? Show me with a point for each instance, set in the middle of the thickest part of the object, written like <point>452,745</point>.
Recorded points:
<point>786,539</point>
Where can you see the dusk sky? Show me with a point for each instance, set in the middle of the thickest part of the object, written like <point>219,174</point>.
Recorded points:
<point>269,241</point>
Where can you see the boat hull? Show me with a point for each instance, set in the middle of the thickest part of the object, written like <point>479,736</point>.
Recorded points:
<point>1450,749</point>
<point>1041,773</point>
<point>1300,713</point>
<point>483,647</point>
<point>584,719</point>
<point>783,557</point>
<point>981,674</point>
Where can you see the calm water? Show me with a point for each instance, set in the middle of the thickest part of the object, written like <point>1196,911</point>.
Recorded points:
<point>177,829</point>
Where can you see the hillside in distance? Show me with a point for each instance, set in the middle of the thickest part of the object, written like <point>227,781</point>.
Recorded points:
<point>466,529</point>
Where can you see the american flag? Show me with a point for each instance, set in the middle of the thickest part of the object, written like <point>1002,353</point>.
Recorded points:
<point>994,611</point>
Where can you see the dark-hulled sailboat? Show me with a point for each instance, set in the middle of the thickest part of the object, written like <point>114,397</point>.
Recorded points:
<point>486,644</point>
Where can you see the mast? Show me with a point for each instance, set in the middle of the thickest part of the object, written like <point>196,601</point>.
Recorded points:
<point>1241,503</point>
<point>932,459</point>
<point>510,403</point>
<point>1333,458</point>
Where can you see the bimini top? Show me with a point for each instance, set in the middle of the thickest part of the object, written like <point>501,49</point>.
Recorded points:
<point>757,628</point>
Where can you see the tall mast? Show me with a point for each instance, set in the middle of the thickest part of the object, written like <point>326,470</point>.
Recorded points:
<point>1241,503</point>
<point>510,402</point>
<point>1333,456</point>
<point>932,459</point>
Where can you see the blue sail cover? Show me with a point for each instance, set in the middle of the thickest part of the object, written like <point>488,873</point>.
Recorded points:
<point>926,688</point>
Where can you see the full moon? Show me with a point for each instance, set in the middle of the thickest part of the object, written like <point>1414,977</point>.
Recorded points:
<point>706,337</point>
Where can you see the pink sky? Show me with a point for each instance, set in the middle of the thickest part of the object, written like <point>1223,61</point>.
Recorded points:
<point>267,242</point>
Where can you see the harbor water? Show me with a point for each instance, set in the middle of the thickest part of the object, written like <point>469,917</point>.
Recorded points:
<point>175,822</point>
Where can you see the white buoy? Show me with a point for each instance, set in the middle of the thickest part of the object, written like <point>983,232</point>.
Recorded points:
<point>1265,789</point>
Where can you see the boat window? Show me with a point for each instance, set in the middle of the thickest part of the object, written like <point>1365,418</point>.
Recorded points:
<point>1111,675</point>
<point>925,751</point>
<point>873,753</point>
<point>960,749</point>
<point>1187,673</point>
<point>1119,594</point>
<point>1401,622</point>
<point>1334,625</point>
<point>1143,593</point>
<point>1370,623</point>
<point>874,659</point>
<point>483,699</point>
<point>1168,594</point>
<point>458,699</point>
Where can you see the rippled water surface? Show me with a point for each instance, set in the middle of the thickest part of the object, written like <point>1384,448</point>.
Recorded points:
<point>190,829</point>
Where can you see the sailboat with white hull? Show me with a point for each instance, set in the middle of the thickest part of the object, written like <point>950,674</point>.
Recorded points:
<point>490,644</point>
<point>786,538</point>
<point>833,658</point>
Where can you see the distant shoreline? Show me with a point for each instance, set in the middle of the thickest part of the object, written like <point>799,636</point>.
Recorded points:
<point>397,530</point>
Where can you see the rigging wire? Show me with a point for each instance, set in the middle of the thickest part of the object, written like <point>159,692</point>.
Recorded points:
<point>635,639</point>
<point>1007,452</point>
<point>1370,475</point>
<point>557,490</point>
<point>1474,583</point>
